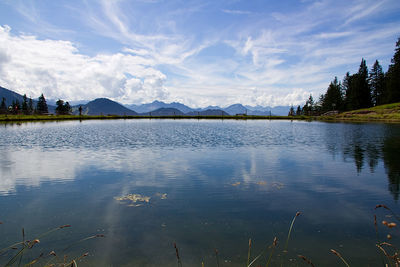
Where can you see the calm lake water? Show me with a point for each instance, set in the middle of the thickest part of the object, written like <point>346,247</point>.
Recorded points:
<point>206,185</point>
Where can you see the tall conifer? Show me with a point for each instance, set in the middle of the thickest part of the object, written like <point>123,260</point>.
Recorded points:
<point>376,83</point>
<point>393,77</point>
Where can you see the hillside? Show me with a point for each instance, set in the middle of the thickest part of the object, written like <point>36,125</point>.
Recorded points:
<point>11,96</point>
<point>389,113</point>
<point>155,105</point>
<point>103,106</point>
<point>208,112</point>
<point>164,112</point>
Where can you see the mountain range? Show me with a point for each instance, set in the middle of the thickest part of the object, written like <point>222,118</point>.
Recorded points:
<point>231,110</point>
<point>104,106</point>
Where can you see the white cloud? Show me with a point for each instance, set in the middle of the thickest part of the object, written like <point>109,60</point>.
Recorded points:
<point>59,70</point>
<point>276,56</point>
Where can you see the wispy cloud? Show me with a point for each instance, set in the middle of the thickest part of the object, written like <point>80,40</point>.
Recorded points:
<point>236,12</point>
<point>191,52</point>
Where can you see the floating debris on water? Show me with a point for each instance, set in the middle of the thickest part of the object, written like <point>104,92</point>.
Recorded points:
<point>137,200</point>
<point>162,195</point>
<point>236,184</point>
<point>134,200</point>
<point>262,183</point>
<point>277,185</point>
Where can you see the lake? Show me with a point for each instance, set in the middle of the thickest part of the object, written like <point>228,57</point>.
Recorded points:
<point>204,185</point>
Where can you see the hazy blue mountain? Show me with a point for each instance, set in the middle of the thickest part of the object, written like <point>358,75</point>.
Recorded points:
<point>231,110</point>
<point>159,104</point>
<point>260,110</point>
<point>208,112</point>
<point>72,103</point>
<point>164,112</point>
<point>280,110</point>
<point>259,113</point>
<point>235,109</point>
<point>179,106</point>
<point>11,96</point>
<point>207,108</point>
<point>103,106</point>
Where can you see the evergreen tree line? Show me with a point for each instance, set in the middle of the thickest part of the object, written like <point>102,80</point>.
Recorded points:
<point>363,89</point>
<point>27,106</point>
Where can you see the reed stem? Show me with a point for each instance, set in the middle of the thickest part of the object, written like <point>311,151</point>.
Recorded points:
<point>340,257</point>
<point>274,243</point>
<point>248,253</point>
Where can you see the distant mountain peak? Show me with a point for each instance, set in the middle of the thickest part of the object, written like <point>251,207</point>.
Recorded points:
<point>104,106</point>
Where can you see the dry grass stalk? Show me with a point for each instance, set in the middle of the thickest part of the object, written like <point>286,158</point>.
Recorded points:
<point>274,244</point>
<point>386,207</point>
<point>306,260</point>
<point>177,255</point>
<point>290,230</point>
<point>216,255</point>
<point>248,253</point>
<point>288,236</point>
<point>340,257</point>
<point>384,251</point>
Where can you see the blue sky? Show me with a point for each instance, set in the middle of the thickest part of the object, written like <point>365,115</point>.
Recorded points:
<point>199,53</point>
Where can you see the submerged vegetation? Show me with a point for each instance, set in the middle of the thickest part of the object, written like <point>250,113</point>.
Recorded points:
<point>13,255</point>
<point>390,253</point>
<point>17,253</point>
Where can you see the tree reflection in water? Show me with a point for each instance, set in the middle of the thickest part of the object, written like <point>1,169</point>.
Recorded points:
<point>368,144</point>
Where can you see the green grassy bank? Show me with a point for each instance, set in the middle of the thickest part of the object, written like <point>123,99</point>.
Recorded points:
<point>383,113</point>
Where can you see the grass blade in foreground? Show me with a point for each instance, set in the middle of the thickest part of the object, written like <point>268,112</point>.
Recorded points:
<point>340,257</point>
<point>288,237</point>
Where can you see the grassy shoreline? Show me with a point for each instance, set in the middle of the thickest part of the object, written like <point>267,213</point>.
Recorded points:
<point>384,113</point>
<point>389,113</point>
<point>28,118</point>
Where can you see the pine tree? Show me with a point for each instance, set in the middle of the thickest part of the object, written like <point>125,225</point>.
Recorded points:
<point>16,106</point>
<point>3,106</point>
<point>291,111</point>
<point>345,90</point>
<point>363,86</point>
<point>358,93</point>
<point>376,83</point>
<point>42,105</point>
<point>310,106</point>
<point>67,108</point>
<point>298,111</point>
<point>333,98</point>
<point>60,107</point>
<point>30,106</point>
<point>393,77</point>
<point>25,104</point>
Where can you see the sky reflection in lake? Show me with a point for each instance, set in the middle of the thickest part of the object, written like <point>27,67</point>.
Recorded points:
<point>223,182</point>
